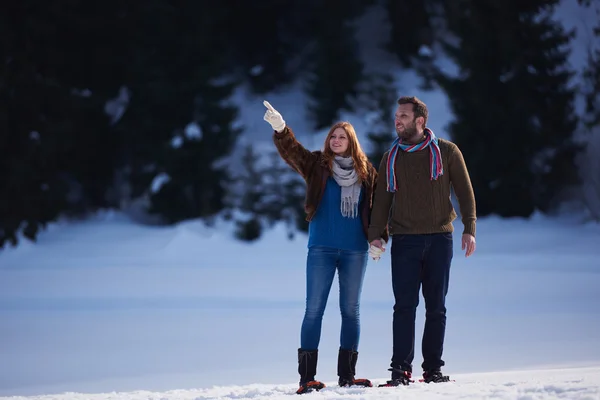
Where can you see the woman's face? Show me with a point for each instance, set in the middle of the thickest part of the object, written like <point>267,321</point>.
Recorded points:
<point>338,141</point>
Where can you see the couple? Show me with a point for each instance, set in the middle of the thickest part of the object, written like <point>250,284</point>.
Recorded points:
<point>348,204</point>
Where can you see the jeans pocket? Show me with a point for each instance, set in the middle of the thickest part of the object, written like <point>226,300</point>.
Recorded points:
<point>448,236</point>
<point>398,238</point>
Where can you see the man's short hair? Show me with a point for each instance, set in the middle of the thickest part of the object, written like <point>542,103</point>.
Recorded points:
<point>419,108</point>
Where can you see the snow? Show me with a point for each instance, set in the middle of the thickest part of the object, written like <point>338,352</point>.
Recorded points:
<point>193,131</point>
<point>115,108</point>
<point>158,181</point>
<point>176,141</point>
<point>572,385</point>
<point>106,308</point>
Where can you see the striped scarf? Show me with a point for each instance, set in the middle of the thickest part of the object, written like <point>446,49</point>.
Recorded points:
<point>431,141</point>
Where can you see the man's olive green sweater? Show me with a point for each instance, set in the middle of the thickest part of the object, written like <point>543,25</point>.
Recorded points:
<point>421,205</point>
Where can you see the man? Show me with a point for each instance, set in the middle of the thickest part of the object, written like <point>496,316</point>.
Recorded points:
<point>415,177</point>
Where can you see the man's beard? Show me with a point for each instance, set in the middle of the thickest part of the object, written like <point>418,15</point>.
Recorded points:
<point>409,132</point>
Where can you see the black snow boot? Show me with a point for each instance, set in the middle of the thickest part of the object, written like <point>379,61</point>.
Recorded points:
<point>307,368</point>
<point>400,377</point>
<point>435,376</point>
<point>347,369</point>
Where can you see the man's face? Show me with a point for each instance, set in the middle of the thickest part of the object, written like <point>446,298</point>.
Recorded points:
<point>406,126</point>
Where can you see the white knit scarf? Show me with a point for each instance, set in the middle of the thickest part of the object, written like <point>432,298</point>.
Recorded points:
<point>345,175</point>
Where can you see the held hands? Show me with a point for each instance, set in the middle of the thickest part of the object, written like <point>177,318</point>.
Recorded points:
<point>377,248</point>
<point>273,117</point>
<point>468,243</point>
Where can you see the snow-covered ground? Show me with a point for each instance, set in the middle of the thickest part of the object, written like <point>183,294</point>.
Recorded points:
<point>186,312</point>
<point>571,384</point>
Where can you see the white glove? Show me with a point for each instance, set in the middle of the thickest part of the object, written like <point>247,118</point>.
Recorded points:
<point>375,252</point>
<point>273,117</point>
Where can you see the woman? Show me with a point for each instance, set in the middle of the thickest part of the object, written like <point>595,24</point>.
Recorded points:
<point>339,195</point>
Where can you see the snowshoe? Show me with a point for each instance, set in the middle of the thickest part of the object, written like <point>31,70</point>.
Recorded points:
<point>308,387</point>
<point>355,382</point>
<point>399,378</point>
<point>434,376</point>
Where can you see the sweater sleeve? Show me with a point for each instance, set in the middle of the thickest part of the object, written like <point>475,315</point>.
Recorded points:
<point>292,151</point>
<point>461,183</point>
<point>382,203</point>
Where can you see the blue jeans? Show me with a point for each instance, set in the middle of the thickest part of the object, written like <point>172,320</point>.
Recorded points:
<point>420,261</point>
<point>321,265</point>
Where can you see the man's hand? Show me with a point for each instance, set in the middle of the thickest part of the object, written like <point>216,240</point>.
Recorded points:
<point>376,248</point>
<point>468,242</point>
<point>273,117</point>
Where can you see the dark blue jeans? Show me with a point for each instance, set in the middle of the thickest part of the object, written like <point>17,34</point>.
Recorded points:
<point>321,264</point>
<point>420,261</point>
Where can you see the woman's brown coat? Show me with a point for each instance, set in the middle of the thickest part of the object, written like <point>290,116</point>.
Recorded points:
<point>315,171</point>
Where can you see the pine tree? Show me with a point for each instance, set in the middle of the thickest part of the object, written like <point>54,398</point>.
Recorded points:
<point>378,100</point>
<point>589,162</point>
<point>284,192</point>
<point>264,191</point>
<point>58,147</point>
<point>245,195</point>
<point>591,88</point>
<point>410,28</point>
<point>514,114</point>
<point>249,195</point>
<point>196,161</point>
<point>174,85</point>
<point>334,65</point>
<point>264,41</point>
<point>250,177</point>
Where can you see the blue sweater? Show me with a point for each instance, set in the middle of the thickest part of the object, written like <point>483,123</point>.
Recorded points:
<point>330,228</point>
